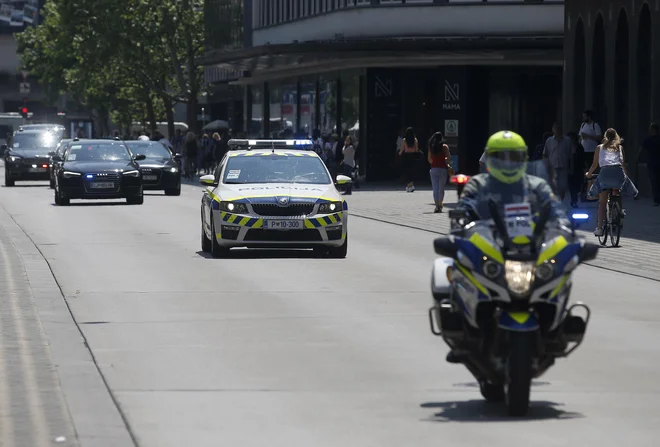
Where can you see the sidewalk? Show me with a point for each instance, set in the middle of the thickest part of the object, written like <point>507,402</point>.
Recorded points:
<point>638,253</point>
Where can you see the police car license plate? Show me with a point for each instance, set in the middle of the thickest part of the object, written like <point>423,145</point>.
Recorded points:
<point>283,225</point>
<point>149,177</point>
<point>37,169</point>
<point>102,185</point>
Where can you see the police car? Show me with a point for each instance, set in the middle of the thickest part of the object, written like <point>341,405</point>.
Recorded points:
<point>273,194</point>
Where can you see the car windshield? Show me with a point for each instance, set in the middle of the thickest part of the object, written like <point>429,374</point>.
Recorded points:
<point>34,141</point>
<point>275,168</point>
<point>98,152</point>
<point>153,150</point>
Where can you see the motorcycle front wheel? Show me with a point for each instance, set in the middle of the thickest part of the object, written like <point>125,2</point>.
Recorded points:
<point>519,368</point>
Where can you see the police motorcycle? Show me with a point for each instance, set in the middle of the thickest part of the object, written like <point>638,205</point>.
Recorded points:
<point>501,292</point>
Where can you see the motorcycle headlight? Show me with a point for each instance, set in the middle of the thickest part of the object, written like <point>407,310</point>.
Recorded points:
<point>545,271</point>
<point>492,269</point>
<point>332,207</point>
<point>70,174</point>
<point>133,173</point>
<point>519,276</point>
<point>233,207</point>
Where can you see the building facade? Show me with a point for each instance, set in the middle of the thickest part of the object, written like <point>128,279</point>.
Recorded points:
<point>372,67</point>
<point>612,66</point>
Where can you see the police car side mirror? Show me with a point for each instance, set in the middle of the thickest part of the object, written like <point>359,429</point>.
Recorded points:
<point>178,157</point>
<point>207,180</point>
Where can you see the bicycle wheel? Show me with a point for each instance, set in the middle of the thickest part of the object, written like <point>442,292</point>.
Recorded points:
<point>615,225</point>
<point>603,238</point>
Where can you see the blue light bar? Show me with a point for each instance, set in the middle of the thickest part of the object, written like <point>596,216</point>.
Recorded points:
<point>89,176</point>
<point>580,216</point>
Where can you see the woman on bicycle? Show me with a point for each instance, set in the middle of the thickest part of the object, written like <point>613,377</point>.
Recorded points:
<point>610,158</point>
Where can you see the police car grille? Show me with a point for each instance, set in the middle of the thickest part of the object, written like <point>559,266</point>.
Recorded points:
<point>306,235</point>
<point>271,209</point>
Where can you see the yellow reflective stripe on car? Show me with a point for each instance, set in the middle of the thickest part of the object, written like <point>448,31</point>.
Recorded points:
<point>552,249</point>
<point>472,279</point>
<point>489,250</point>
<point>318,222</point>
<point>242,221</point>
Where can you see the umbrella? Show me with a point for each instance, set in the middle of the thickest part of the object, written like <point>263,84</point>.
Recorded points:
<point>217,125</point>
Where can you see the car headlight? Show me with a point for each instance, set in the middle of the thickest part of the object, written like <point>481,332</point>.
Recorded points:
<point>233,207</point>
<point>133,173</point>
<point>332,207</point>
<point>14,158</point>
<point>69,174</point>
<point>519,276</point>
<point>174,170</point>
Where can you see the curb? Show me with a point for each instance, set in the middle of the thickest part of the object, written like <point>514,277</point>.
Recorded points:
<point>96,417</point>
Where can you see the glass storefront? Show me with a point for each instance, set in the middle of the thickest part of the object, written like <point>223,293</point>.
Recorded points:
<point>350,106</point>
<point>257,101</point>
<point>307,106</point>
<point>328,101</point>
<point>283,110</point>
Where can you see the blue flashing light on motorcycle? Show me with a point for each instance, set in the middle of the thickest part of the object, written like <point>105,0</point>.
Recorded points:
<point>501,298</point>
<point>580,216</point>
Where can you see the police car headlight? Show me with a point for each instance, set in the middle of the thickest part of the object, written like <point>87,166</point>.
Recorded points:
<point>15,159</point>
<point>70,174</point>
<point>233,207</point>
<point>332,207</point>
<point>173,170</point>
<point>519,276</point>
<point>133,173</point>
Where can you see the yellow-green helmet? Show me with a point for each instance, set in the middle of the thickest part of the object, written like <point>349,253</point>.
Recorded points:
<point>506,156</point>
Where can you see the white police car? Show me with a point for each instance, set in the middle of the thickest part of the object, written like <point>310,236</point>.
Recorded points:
<point>273,194</point>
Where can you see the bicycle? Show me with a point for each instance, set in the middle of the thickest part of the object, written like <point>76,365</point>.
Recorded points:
<point>613,218</point>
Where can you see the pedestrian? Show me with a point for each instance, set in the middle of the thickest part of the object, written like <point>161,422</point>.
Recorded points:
<point>438,158</point>
<point>190,153</point>
<point>178,142</point>
<point>217,149</point>
<point>590,133</point>
<point>409,152</point>
<point>349,158</point>
<point>558,152</point>
<point>651,145</point>
<point>576,177</point>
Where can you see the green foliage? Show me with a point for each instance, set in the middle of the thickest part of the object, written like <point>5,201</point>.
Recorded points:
<point>122,57</point>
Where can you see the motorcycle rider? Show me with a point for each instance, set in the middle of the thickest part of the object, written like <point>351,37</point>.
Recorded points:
<point>507,182</point>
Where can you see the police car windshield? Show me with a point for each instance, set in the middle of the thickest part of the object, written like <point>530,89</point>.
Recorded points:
<point>98,152</point>
<point>34,141</point>
<point>152,150</point>
<point>275,168</point>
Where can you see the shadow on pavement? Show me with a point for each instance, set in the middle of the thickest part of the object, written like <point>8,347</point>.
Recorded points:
<point>258,253</point>
<point>92,204</point>
<point>482,411</point>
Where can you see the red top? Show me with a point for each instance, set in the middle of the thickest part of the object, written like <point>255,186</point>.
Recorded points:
<point>439,161</point>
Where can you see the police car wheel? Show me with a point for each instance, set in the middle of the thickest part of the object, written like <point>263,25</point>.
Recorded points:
<point>216,249</point>
<point>339,252</point>
<point>206,242</point>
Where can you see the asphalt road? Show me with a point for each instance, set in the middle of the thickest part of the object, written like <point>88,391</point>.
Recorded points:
<point>282,349</point>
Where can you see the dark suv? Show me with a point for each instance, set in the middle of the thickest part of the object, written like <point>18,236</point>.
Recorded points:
<point>28,155</point>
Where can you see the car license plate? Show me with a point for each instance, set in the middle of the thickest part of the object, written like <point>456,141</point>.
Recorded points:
<point>103,185</point>
<point>150,177</point>
<point>283,225</point>
<point>37,169</point>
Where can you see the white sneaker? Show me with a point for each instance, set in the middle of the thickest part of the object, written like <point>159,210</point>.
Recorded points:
<point>599,231</point>
<point>412,189</point>
<point>407,188</point>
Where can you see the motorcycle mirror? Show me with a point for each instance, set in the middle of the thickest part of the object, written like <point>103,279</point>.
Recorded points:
<point>444,246</point>
<point>588,252</point>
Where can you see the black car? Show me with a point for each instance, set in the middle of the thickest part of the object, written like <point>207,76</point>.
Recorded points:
<point>27,157</point>
<point>98,169</point>
<point>161,170</point>
<point>58,153</point>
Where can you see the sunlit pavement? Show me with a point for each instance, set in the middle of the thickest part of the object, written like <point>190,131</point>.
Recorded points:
<point>280,348</point>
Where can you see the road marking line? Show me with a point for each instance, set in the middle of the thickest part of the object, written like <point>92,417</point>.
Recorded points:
<point>36,408</point>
